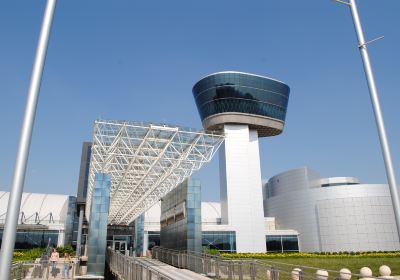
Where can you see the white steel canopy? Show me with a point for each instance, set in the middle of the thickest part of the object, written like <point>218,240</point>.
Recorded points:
<point>145,161</point>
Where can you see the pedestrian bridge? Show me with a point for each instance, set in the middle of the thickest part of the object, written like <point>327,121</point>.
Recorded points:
<point>123,267</point>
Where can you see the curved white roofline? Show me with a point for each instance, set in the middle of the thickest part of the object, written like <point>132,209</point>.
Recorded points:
<point>290,171</point>
<point>40,203</point>
<point>239,72</point>
<point>210,210</point>
<point>339,180</point>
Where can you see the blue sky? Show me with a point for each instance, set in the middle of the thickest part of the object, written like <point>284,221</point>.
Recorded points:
<point>138,60</point>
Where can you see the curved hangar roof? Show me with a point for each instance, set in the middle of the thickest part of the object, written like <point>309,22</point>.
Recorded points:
<point>37,208</point>
<point>145,161</point>
<point>242,98</point>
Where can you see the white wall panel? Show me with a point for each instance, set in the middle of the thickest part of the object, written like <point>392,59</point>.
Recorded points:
<point>241,188</point>
<point>336,218</point>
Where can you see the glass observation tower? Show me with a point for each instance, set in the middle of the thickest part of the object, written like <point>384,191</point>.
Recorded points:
<point>245,107</point>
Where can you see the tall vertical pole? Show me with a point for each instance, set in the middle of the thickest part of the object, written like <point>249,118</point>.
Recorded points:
<point>362,45</point>
<point>14,202</point>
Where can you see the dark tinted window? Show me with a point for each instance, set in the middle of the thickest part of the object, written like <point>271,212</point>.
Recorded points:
<point>282,243</point>
<point>154,239</point>
<point>290,243</point>
<point>34,238</point>
<point>224,241</point>
<point>274,244</point>
<point>243,93</point>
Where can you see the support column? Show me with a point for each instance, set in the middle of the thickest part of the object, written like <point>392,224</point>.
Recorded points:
<point>97,236</point>
<point>79,237</point>
<point>139,235</point>
<point>241,188</point>
<point>145,242</point>
<point>61,237</point>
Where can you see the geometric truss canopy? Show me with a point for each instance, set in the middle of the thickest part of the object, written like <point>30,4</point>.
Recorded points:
<point>145,161</point>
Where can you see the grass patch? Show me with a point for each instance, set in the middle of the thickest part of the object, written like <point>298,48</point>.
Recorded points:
<point>331,261</point>
<point>354,264</point>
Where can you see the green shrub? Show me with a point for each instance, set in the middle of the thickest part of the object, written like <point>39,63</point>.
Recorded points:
<point>29,255</point>
<point>211,251</point>
<point>65,249</point>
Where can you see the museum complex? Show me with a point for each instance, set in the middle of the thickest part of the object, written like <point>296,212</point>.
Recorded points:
<point>136,189</point>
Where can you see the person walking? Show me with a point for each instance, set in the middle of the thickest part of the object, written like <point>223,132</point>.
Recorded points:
<point>54,257</point>
<point>67,265</point>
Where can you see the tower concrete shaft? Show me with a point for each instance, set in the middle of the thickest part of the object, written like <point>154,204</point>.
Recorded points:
<point>241,187</point>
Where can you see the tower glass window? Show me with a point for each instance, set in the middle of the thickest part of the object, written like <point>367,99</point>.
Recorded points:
<point>242,98</point>
<point>240,92</point>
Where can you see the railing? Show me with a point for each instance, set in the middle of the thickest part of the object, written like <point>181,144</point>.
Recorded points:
<point>39,270</point>
<point>19,270</point>
<point>131,268</point>
<point>218,267</point>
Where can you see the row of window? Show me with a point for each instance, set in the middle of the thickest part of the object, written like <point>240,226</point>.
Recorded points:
<point>242,106</point>
<point>223,241</point>
<point>34,238</point>
<point>241,92</point>
<point>242,79</point>
<point>282,243</point>
<point>87,168</point>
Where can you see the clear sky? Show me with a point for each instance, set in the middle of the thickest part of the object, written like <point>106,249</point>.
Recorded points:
<point>138,60</point>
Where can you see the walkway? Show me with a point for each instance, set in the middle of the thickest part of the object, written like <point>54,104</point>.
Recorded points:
<point>171,271</point>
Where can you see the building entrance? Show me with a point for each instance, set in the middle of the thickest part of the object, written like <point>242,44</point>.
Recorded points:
<point>120,246</point>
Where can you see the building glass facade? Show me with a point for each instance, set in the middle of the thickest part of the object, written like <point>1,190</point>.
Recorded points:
<point>70,220</point>
<point>282,243</point>
<point>84,172</point>
<point>181,217</point>
<point>86,178</point>
<point>28,239</point>
<point>223,241</point>
<point>97,237</point>
<point>242,93</point>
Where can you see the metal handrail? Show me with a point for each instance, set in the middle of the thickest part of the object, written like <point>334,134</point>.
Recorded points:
<point>224,268</point>
<point>132,268</point>
<point>34,270</point>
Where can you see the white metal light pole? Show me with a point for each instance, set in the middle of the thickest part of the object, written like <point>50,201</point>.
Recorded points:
<point>362,45</point>
<point>14,202</point>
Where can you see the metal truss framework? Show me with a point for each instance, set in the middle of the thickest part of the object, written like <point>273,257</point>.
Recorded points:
<point>34,219</point>
<point>145,161</point>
